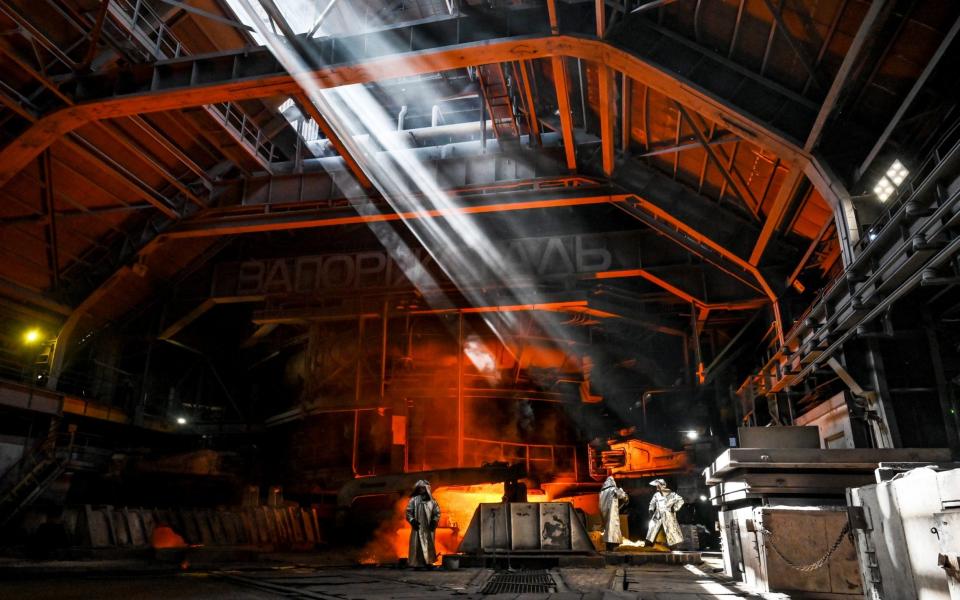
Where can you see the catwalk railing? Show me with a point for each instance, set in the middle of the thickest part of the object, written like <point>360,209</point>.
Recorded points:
<point>912,244</point>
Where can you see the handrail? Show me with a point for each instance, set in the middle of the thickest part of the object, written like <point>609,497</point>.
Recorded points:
<point>167,46</point>
<point>919,179</point>
<point>43,449</point>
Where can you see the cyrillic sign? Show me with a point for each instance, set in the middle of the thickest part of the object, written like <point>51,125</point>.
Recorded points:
<point>541,258</point>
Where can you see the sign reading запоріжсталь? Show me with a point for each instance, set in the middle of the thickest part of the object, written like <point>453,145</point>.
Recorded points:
<point>526,258</point>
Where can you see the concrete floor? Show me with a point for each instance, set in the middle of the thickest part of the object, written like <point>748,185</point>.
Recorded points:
<point>262,582</point>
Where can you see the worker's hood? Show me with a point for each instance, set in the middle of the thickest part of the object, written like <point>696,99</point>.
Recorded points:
<point>423,483</point>
<point>609,483</point>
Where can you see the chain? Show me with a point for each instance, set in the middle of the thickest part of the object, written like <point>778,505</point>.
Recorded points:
<point>814,565</point>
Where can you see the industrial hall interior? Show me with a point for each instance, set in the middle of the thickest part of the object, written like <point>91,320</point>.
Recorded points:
<point>414,299</point>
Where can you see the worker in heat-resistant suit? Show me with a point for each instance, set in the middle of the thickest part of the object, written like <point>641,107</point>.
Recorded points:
<point>663,514</point>
<point>611,499</point>
<point>423,515</point>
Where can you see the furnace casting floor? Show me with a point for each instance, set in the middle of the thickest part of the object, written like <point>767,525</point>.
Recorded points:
<point>257,582</point>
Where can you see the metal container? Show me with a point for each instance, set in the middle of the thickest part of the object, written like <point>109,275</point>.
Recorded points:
<point>904,528</point>
<point>791,540</point>
<point>544,527</point>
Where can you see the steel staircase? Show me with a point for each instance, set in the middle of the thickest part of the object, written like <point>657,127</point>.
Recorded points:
<point>496,94</point>
<point>26,479</point>
<point>147,30</point>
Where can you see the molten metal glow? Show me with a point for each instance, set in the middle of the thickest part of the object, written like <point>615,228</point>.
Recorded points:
<point>478,354</point>
<point>457,505</point>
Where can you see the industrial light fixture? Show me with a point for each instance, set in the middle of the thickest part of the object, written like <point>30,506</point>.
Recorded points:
<point>897,173</point>
<point>891,180</point>
<point>32,336</point>
<point>703,498</point>
<point>692,434</point>
<point>181,421</point>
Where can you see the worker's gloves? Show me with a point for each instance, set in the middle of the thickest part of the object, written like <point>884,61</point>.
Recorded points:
<point>415,525</point>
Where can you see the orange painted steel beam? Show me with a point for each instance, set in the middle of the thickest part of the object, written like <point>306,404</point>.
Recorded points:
<point>207,226</point>
<point>241,224</point>
<point>679,293</point>
<point>571,305</point>
<point>652,279</point>
<point>335,141</point>
<point>663,215</point>
<point>563,107</point>
<point>601,17</point>
<point>126,177</point>
<point>532,119</point>
<point>552,14</point>
<point>608,93</point>
<point>608,109</point>
<point>777,211</point>
<point>23,150</point>
<point>626,113</point>
<point>729,172</point>
<point>218,227</point>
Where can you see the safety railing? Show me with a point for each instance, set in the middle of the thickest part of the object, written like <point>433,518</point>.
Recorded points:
<point>245,128</point>
<point>536,458</point>
<point>142,18</point>
<point>43,464</point>
<point>160,42</point>
<point>86,451</point>
<point>42,451</point>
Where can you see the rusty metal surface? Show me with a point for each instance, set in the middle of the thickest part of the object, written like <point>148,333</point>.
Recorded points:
<point>544,528</point>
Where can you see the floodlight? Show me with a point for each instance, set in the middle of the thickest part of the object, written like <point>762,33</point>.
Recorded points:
<point>883,189</point>
<point>181,421</point>
<point>897,173</point>
<point>692,434</point>
<point>891,180</point>
<point>31,336</point>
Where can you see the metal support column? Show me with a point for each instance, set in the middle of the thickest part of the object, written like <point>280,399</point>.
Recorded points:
<point>563,106</point>
<point>695,337</point>
<point>49,210</point>
<point>460,411</point>
<point>383,353</point>
<point>944,392</point>
<point>888,434</point>
<point>357,396</point>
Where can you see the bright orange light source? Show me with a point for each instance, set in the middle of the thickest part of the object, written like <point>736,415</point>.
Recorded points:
<point>32,336</point>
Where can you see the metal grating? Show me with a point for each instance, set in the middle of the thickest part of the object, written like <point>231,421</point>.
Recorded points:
<point>520,582</point>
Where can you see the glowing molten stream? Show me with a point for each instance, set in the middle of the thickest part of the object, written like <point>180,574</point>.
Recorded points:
<point>457,505</point>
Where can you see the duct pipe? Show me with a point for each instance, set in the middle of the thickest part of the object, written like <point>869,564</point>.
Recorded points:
<point>483,127</point>
<point>401,116</point>
<point>422,136</point>
<point>459,149</point>
<point>435,115</point>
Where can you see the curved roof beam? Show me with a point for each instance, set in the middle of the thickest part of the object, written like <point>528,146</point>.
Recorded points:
<point>245,75</point>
